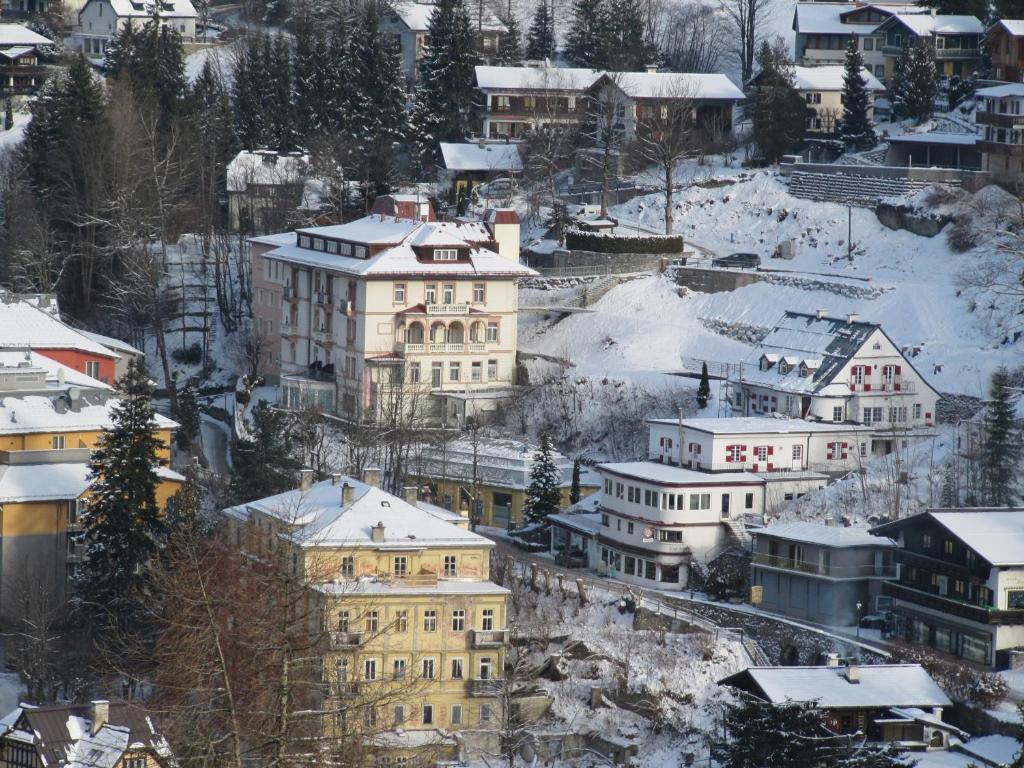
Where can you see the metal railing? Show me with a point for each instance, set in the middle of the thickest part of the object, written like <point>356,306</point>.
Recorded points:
<point>884,571</point>
<point>345,639</point>
<point>484,687</point>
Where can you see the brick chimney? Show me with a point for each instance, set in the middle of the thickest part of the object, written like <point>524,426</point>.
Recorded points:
<point>371,476</point>
<point>852,673</point>
<point>411,494</point>
<point>306,479</point>
<point>348,494</point>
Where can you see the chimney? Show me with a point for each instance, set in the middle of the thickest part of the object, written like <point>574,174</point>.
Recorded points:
<point>652,69</point>
<point>822,314</point>
<point>377,533</point>
<point>852,674</point>
<point>371,476</point>
<point>348,494</point>
<point>100,715</point>
<point>75,396</point>
<point>411,494</point>
<point>852,317</point>
<point>335,478</point>
<point>60,376</point>
<point>832,660</point>
<point>306,479</point>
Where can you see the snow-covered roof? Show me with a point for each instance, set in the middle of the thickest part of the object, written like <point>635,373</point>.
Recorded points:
<point>43,482</point>
<point>175,9</point>
<point>583,522</point>
<point>481,157</point>
<point>997,535</point>
<point>935,137</point>
<point>830,78</point>
<point>665,474</point>
<point>25,326</point>
<point>814,18</point>
<point>400,258</point>
<point>825,535</point>
<point>655,85</point>
<point>16,34</point>
<point>373,586</point>
<point>1014,26</point>
<point>110,342</point>
<point>922,24</point>
<point>33,413</point>
<point>265,167</point>
<point>832,340</point>
<point>546,78</point>
<point>879,685</point>
<point>16,51</point>
<point>320,519</point>
<point>416,16</point>
<point>1000,91</point>
<point>758,425</point>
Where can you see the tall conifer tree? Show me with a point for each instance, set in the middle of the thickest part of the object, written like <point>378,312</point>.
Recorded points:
<point>540,40</point>
<point>856,128</point>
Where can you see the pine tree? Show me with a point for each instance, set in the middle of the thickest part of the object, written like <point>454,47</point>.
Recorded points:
<point>309,64</point>
<point>510,46</point>
<point>445,97</point>
<point>250,80</point>
<point>540,40</point>
<point>575,494</point>
<point>543,495</point>
<point>585,44</point>
<point>123,527</point>
<point>279,101</point>
<point>151,61</point>
<point>188,417</point>
<point>758,733</point>
<point>978,8</point>
<point>778,111</point>
<point>208,112</point>
<point>1002,449</point>
<point>704,387</point>
<point>626,48</point>
<point>263,463</point>
<point>855,130</point>
<point>8,116</point>
<point>913,86</point>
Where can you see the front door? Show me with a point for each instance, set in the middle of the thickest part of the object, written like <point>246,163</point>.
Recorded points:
<point>725,506</point>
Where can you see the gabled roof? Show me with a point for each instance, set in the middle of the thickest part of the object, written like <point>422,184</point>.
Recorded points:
<point>837,536</point>
<point>1014,27</point>
<point>1001,91</point>
<point>924,24</point>
<point>879,686</point>
<point>668,85</point>
<point>36,414</point>
<point>814,18</point>
<point>995,534</point>
<point>761,425</point>
<point>23,326</point>
<point>266,168</point>
<point>318,518</point>
<point>416,16</point>
<point>831,340</point>
<point>546,78</point>
<point>16,34</point>
<point>176,9</point>
<point>481,157</point>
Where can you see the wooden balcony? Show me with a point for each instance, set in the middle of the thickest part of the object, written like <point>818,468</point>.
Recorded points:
<point>998,148</point>
<point>488,638</point>
<point>980,614</point>
<point>866,571</point>
<point>1000,119</point>
<point>938,565</point>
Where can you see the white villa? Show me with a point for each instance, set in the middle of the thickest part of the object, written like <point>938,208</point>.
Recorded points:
<point>99,21</point>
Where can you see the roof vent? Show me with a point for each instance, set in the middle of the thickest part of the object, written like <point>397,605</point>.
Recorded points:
<point>852,317</point>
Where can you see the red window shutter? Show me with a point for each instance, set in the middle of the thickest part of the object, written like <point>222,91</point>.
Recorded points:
<point>845,455</point>
<point>771,450</point>
<point>867,387</point>
<point>755,467</point>
<point>770,467</point>
<point>899,370</point>
<point>728,453</point>
<point>743,457</point>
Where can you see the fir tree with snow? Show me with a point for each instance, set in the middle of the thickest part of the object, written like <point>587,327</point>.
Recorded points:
<point>310,63</point>
<point>510,46</point>
<point>855,129</point>
<point>1002,450</point>
<point>152,61</point>
<point>913,85</point>
<point>8,116</point>
<point>543,495</point>
<point>585,41</point>
<point>263,463</point>
<point>575,494</point>
<point>249,82</point>
<point>122,524</point>
<point>540,40</point>
<point>778,111</point>
<point>704,387</point>
<point>281,129</point>
<point>447,92</point>
<point>188,417</point>
<point>626,46</point>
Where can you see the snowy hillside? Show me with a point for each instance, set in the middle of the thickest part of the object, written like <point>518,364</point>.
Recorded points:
<point>905,282</point>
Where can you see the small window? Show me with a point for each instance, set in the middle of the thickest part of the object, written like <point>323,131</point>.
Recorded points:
<point>450,565</point>
<point>457,669</point>
<point>399,293</point>
<point>428,669</point>
<point>369,669</point>
<point>428,714</point>
<point>487,620</point>
<point>459,620</point>
<point>92,368</point>
<point>399,717</point>
<point>446,254</point>
<point>430,620</point>
<point>492,332</point>
<point>456,714</point>
<point>372,621</point>
<point>332,246</point>
<point>400,566</point>
<point>479,293</point>
<point>58,442</point>
<point>398,669</point>
<point>748,501</point>
<point>348,567</point>
<point>402,621</point>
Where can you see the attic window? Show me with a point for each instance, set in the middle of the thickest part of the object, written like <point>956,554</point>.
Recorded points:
<point>765,363</point>
<point>303,241</point>
<point>318,243</point>
<point>345,249</point>
<point>783,367</point>
<point>360,251</point>
<point>876,346</point>
<point>332,246</point>
<point>804,370</point>
<point>385,503</point>
<point>446,254</point>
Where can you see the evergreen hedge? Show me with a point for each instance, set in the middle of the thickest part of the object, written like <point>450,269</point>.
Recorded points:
<point>589,241</point>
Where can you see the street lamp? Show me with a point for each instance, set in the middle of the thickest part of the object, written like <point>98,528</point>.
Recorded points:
<point>859,606</point>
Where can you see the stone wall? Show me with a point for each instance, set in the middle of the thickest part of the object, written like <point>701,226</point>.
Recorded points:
<point>562,258</point>
<point>714,280</point>
<point>970,180</point>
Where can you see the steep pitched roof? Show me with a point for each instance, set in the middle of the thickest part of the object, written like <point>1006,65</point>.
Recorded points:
<point>830,78</point>
<point>24,326</point>
<point>924,24</point>
<point>995,534</point>
<point>16,34</point>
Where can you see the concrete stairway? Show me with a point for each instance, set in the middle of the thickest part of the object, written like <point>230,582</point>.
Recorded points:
<point>738,531</point>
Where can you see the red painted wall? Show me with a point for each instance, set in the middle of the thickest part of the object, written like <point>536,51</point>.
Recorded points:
<point>75,358</point>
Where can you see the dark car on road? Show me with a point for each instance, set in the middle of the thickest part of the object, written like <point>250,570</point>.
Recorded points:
<point>738,261</point>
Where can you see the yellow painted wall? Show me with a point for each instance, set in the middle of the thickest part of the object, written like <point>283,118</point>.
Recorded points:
<point>452,488</point>
<point>43,441</point>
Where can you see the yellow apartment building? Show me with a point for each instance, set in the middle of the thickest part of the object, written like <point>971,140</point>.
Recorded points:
<point>383,313</point>
<point>487,478</point>
<point>51,418</point>
<point>415,631</point>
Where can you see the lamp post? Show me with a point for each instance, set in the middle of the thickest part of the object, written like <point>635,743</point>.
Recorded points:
<point>859,606</point>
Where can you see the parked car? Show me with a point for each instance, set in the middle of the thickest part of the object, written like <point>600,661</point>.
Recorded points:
<point>497,189</point>
<point>738,261</point>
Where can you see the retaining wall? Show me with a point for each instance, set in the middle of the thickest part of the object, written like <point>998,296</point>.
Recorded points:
<point>969,180</point>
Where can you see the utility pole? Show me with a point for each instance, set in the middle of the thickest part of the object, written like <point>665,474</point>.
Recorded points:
<point>849,232</point>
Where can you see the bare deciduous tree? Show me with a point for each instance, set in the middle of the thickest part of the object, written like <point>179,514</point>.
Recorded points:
<point>747,19</point>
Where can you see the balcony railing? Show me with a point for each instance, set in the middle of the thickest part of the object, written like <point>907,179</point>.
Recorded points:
<point>342,690</point>
<point>488,638</point>
<point>346,640</point>
<point>324,337</point>
<point>447,309</point>
<point>324,298</point>
<point>445,346</point>
<point>980,614</point>
<point>1002,119</point>
<point>881,571</point>
<point>484,687</point>
<point>884,386</point>
<point>289,292</point>
<point>957,53</point>
<point>941,565</point>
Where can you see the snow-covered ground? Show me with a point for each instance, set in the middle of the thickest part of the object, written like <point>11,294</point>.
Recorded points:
<point>8,139</point>
<point>646,326</point>
<point>220,56</point>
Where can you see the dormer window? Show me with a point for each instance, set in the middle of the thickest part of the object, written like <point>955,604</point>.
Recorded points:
<point>345,249</point>
<point>303,241</point>
<point>783,367</point>
<point>332,246</point>
<point>446,254</point>
<point>766,363</point>
<point>804,370</point>
<point>318,243</point>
